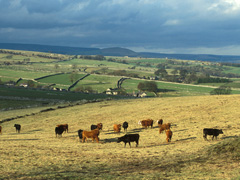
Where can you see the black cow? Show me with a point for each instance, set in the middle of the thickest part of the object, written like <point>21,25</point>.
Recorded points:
<point>93,127</point>
<point>18,127</point>
<point>213,132</point>
<point>125,126</point>
<point>129,138</point>
<point>59,130</point>
<point>80,134</point>
<point>99,126</point>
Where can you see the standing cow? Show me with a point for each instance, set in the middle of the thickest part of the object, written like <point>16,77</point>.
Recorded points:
<point>160,122</point>
<point>213,132</point>
<point>59,130</point>
<point>80,134</point>
<point>129,138</point>
<point>91,134</point>
<point>99,126</point>
<point>0,129</point>
<point>18,127</point>
<point>64,126</point>
<point>146,123</point>
<point>164,127</point>
<point>117,128</point>
<point>169,135</point>
<point>125,126</point>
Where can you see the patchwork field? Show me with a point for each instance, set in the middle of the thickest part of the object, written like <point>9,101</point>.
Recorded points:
<point>36,153</point>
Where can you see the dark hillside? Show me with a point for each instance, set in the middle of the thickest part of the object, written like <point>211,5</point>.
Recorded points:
<point>116,51</point>
<point>51,49</point>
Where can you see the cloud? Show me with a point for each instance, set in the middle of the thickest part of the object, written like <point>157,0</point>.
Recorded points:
<point>171,25</point>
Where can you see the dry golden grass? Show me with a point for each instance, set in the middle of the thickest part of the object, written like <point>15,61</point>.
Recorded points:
<point>36,153</point>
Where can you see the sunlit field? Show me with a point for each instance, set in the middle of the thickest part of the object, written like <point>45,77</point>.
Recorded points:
<point>36,153</point>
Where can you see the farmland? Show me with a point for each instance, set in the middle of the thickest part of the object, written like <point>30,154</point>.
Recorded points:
<point>36,153</point>
<point>47,71</point>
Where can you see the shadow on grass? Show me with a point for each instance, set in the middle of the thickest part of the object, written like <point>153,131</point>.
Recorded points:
<point>19,139</point>
<point>181,130</point>
<point>191,138</point>
<point>227,137</point>
<point>109,140</point>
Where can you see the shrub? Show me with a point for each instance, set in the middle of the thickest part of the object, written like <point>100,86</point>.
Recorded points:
<point>221,90</point>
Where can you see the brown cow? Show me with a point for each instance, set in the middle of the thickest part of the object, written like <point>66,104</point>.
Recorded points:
<point>146,123</point>
<point>160,122</point>
<point>99,126</point>
<point>0,129</point>
<point>117,128</point>
<point>65,127</point>
<point>164,127</point>
<point>91,134</point>
<point>169,135</point>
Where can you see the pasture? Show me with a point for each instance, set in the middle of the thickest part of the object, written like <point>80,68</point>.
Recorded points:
<point>36,153</point>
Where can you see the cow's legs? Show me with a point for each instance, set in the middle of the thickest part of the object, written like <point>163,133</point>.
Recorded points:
<point>205,136</point>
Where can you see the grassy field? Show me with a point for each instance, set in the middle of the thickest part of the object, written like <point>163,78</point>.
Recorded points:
<point>15,98</point>
<point>36,153</point>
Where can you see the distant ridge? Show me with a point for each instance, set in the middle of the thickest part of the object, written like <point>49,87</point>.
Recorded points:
<point>52,49</point>
<point>116,51</point>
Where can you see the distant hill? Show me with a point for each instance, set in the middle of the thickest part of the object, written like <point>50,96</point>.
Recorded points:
<point>116,51</point>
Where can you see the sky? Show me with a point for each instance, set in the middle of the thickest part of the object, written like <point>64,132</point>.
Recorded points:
<point>161,26</point>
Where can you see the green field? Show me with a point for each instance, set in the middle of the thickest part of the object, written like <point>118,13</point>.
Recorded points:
<point>104,74</point>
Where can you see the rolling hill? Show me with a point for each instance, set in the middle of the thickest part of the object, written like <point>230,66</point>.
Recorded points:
<point>36,153</point>
<point>116,51</point>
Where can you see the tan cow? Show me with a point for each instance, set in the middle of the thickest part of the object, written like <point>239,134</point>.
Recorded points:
<point>117,128</point>
<point>169,135</point>
<point>164,127</point>
<point>146,123</point>
<point>91,134</point>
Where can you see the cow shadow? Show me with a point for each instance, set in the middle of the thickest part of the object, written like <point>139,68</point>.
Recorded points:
<point>112,132</point>
<point>35,139</point>
<point>109,140</point>
<point>157,145</point>
<point>181,130</point>
<point>136,130</point>
<point>228,137</point>
<point>190,138</point>
<point>32,131</point>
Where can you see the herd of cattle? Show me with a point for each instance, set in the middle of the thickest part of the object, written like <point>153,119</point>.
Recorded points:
<point>127,138</point>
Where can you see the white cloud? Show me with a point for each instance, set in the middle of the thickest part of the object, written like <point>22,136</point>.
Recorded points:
<point>171,22</point>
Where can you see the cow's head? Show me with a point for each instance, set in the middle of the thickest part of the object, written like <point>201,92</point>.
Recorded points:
<point>220,131</point>
<point>119,140</point>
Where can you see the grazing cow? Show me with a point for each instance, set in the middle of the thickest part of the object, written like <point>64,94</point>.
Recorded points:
<point>91,134</point>
<point>80,133</point>
<point>169,135</point>
<point>0,129</point>
<point>59,130</point>
<point>164,127</point>
<point>18,127</point>
<point>213,132</point>
<point>129,138</point>
<point>99,126</point>
<point>160,122</point>
<point>125,126</point>
<point>146,123</point>
<point>65,127</point>
<point>117,128</point>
